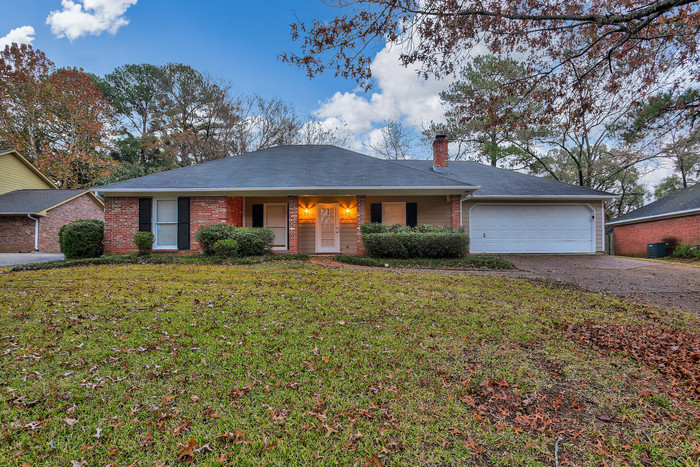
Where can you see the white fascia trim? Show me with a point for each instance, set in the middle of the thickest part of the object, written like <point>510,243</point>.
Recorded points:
<point>457,188</point>
<point>657,216</point>
<point>544,197</point>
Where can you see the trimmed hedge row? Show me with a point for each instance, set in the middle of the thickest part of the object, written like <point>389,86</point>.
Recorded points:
<point>427,241</point>
<point>250,241</point>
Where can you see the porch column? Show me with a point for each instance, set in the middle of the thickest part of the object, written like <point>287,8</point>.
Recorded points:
<point>293,224</point>
<point>235,210</point>
<point>361,214</point>
<point>455,211</point>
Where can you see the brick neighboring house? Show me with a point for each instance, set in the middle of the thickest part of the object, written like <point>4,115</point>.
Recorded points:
<point>32,209</point>
<point>315,197</point>
<point>674,219</point>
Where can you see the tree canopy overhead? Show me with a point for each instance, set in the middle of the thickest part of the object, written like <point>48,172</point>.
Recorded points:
<point>620,37</point>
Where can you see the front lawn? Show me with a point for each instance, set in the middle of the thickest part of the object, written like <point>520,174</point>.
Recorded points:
<point>292,364</point>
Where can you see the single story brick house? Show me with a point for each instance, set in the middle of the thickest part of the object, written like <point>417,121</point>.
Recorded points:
<point>315,197</point>
<point>674,219</point>
<point>33,209</point>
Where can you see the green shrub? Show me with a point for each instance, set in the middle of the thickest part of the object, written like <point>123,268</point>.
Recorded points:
<point>82,239</point>
<point>144,241</point>
<point>373,227</point>
<point>208,235</point>
<point>686,251</point>
<point>251,241</point>
<point>228,248</point>
<point>416,245</point>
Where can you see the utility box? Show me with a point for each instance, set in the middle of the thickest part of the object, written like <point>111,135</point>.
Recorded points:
<point>656,250</point>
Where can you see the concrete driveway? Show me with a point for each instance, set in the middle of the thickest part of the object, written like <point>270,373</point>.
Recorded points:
<point>669,285</point>
<point>9,259</point>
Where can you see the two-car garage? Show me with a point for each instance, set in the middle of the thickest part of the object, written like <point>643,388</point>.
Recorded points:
<point>532,228</point>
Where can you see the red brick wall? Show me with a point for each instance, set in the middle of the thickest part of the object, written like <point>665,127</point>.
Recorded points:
<point>632,239</point>
<point>16,234</point>
<point>441,156</point>
<point>121,223</point>
<point>82,207</point>
<point>293,224</point>
<point>455,210</point>
<point>205,210</point>
<point>122,220</point>
<point>361,219</point>
<point>235,210</point>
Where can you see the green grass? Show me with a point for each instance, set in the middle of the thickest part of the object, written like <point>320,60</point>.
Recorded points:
<point>466,262</point>
<point>157,259</point>
<point>287,363</point>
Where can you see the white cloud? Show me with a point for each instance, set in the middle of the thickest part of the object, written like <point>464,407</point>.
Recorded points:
<point>401,95</point>
<point>22,35</point>
<point>81,17</point>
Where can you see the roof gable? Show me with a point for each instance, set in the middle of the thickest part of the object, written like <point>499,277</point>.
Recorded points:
<point>19,174</point>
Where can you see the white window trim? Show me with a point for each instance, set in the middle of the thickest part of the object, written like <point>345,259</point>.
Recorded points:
<point>286,240</point>
<point>395,203</point>
<point>154,223</point>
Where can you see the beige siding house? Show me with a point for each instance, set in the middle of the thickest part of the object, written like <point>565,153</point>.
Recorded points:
<point>316,197</point>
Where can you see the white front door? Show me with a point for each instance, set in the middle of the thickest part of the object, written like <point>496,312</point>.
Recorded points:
<point>535,228</point>
<point>275,218</point>
<point>327,228</point>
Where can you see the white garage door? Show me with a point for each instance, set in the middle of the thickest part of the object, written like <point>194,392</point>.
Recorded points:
<point>509,228</point>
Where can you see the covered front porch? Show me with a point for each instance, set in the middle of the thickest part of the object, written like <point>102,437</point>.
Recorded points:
<point>331,223</point>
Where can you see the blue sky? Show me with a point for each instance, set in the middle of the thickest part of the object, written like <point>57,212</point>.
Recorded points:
<point>236,41</point>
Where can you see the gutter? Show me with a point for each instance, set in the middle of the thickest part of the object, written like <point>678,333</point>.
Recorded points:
<point>36,232</point>
<point>656,216</point>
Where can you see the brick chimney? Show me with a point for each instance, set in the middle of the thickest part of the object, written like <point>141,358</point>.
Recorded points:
<point>440,155</point>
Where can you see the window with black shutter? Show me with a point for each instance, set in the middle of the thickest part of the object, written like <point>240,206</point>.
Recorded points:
<point>375,212</point>
<point>411,214</point>
<point>183,223</point>
<point>145,214</point>
<point>258,215</point>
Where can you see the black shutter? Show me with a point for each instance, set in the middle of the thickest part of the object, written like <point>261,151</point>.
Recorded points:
<point>145,214</point>
<point>375,212</point>
<point>258,210</point>
<point>183,223</point>
<point>411,214</point>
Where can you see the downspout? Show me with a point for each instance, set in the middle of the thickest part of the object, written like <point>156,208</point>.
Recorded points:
<point>36,232</point>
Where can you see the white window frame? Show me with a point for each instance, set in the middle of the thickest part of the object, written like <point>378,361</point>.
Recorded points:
<point>394,203</point>
<point>154,223</point>
<point>286,241</point>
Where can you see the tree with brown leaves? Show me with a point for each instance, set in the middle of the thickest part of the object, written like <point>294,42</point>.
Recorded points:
<point>58,118</point>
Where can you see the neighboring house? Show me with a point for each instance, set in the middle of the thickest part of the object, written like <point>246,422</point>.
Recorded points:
<point>32,209</point>
<point>674,219</point>
<point>315,198</point>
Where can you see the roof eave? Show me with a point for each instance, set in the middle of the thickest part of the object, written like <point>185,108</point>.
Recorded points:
<point>262,191</point>
<point>655,217</point>
<point>507,197</point>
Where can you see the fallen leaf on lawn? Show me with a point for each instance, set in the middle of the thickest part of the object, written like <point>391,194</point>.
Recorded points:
<point>204,447</point>
<point>70,421</point>
<point>167,399</point>
<point>604,418</point>
<point>187,450</point>
<point>194,398</point>
<point>80,463</point>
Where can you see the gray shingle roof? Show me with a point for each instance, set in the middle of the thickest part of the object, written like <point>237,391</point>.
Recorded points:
<point>682,200</point>
<point>500,182</point>
<point>22,202</point>
<point>308,166</point>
